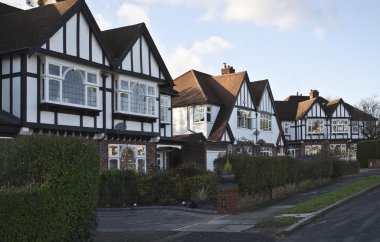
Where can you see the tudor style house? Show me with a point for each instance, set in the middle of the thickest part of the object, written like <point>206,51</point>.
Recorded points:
<point>213,114</point>
<point>61,75</point>
<point>311,122</point>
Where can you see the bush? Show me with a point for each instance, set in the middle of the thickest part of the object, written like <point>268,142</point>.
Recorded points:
<point>123,188</point>
<point>50,190</point>
<point>366,150</point>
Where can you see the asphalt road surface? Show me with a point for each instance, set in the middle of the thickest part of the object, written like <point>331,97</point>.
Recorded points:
<point>357,220</point>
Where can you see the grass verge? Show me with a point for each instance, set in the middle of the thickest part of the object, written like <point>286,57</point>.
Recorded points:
<point>319,202</point>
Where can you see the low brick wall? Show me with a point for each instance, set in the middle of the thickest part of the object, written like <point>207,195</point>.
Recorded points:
<point>373,163</point>
<point>227,198</point>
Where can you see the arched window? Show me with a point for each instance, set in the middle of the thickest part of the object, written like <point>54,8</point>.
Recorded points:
<point>73,87</point>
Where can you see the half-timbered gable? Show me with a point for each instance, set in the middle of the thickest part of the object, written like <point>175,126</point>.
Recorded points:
<point>60,74</point>
<point>268,129</point>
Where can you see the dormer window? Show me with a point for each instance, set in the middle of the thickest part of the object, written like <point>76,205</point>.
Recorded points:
<point>134,97</point>
<point>316,126</point>
<point>70,86</point>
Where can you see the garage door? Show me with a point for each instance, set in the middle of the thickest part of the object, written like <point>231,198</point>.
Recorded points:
<point>211,156</point>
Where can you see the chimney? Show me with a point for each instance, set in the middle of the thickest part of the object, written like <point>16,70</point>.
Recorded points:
<point>45,2</point>
<point>313,94</point>
<point>227,69</point>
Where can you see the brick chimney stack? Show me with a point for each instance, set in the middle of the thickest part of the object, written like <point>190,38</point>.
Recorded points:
<point>227,69</point>
<point>313,94</point>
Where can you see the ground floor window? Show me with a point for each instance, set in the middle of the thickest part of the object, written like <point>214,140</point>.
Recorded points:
<point>125,156</point>
<point>313,149</point>
<point>265,151</point>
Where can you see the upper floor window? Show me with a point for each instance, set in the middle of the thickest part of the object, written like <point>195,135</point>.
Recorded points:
<point>136,97</point>
<point>202,113</point>
<point>355,127</point>
<point>340,126</point>
<point>164,109</point>
<point>244,119</point>
<point>62,84</point>
<point>286,128</point>
<point>316,126</point>
<point>265,122</point>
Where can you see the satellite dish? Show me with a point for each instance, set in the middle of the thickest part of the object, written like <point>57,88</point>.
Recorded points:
<point>121,126</point>
<point>32,3</point>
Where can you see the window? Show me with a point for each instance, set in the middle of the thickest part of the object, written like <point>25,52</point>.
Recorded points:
<point>136,98</point>
<point>286,127</point>
<point>123,156</point>
<point>208,114</point>
<point>355,127</point>
<point>265,122</point>
<point>265,151</point>
<point>316,126</point>
<point>313,149</point>
<point>244,119</point>
<point>164,109</point>
<point>339,126</point>
<point>199,114</point>
<point>68,85</point>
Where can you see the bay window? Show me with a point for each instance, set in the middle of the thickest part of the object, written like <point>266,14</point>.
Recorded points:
<point>339,126</point>
<point>315,126</point>
<point>135,97</point>
<point>71,86</point>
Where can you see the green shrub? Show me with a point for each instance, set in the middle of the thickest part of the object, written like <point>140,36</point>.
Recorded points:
<point>158,187</point>
<point>51,189</point>
<point>365,150</point>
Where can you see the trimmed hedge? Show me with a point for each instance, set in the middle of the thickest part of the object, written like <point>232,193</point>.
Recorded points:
<point>366,150</point>
<point>259,174</point>
<point>49,189</point>
<point>123,188</point>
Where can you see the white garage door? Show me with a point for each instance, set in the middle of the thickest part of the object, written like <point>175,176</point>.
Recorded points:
<point>211,156</point>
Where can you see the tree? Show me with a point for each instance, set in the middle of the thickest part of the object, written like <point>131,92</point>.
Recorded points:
<point>370,106</point>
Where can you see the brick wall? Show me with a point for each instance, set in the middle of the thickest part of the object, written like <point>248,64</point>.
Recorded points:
<point>227,198</point>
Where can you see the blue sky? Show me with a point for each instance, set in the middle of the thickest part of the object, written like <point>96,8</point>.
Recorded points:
<point>329,45</point>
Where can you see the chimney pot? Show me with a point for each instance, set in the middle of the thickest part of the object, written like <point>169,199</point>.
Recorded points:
<point>227,69</point>
<point>313,94</point>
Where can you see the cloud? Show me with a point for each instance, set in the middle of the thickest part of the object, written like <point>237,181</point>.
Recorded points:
<point>181,59</point>
<point>133,14</point>
<point>102,21</point>
<point>320,32</point>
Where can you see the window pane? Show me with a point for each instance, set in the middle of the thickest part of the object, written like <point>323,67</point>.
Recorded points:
<point>138,98</point>
<point>73,88</point>
<point>124,102</point>
<point>91,78</point>
<point>124,85</point>
<point>151,106</point>
<point>91,96</point>
<point>141,165</point>
<point>54,90</point>
<point>113,164</point>
<point>151,90</point>
<point>54,70</point>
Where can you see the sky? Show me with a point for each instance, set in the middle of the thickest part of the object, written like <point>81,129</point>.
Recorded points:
<point>332,46</point>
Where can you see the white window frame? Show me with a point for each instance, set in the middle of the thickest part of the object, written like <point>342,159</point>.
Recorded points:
<point>265,122</point>
<point>339,126</point>
<point>286,128</point>
<point>46,77</point>
<point>244,119</point>
<point>266,151</point>
<point>164,109</point>
<point>139,154</point>
<point>148,97</point>
<point>199,113</point>
<point>355,127</point>
<point>321,125</point>
<point>313,149</point>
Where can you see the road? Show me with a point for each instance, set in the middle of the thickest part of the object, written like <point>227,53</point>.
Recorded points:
<point>358,220</point>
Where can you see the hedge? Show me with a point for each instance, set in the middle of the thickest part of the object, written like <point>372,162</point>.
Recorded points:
<point>124,188</point>
<point>258,174</point>
<point>49,189</point>
<point>366,150</point>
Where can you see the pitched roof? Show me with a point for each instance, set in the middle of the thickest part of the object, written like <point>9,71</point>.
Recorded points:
<point>6,9</point>
<point>257,89</point>
<point>191,138</point>
<point>121,40</point>
<point>195,87</point>
<point>25,28</point>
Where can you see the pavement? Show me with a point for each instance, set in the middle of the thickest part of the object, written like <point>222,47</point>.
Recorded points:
<point>170,223</point>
